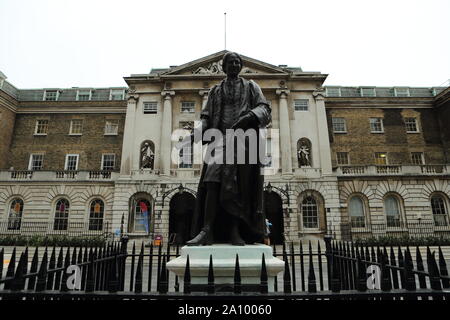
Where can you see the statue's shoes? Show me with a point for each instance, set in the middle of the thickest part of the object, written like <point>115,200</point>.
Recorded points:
<point>237,241</point>
<point>201,239</point>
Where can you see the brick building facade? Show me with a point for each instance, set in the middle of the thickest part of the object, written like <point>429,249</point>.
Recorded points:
<point>374,156</point>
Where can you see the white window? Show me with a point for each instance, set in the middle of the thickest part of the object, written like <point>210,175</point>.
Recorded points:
<point>71,162</point>
<point>381,158</point>
<point>84,95</point>
<point>368,92</point>
<point>411,125</point>
<point>301,104</point>
<point>376,125</point>
<point>417,158</point>
<point>36,162</point>
<point>112,127</point>
<point>150,107</point>
<point>401,92</point>
<point>108,161</point>
<point>392,210</point>
<point>438,207</point>
<point>188,106</point>
<point>41,127</point>
<point>339,125</point>
<point>356,210</point>
<point>76,127</point>
<point>333,92</point>
<point>51,95</point>
<point>117,94</point>
<point>310,213</point>
<point>342,158</point>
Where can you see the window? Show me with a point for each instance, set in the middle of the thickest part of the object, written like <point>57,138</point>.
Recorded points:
<point>61,215</point>
<point>411,125</point>
<point>41,127</point>
<point>339,125</point>
<point>51,95</point>
<point>117,94</point>
<point>96,212</point>
<point>15,214</point>
<point>108,161</point>
<point>36,162</point>
<point>368,92</point>
<point>376,125</point>
<point>356,211</point>
<point>71,162</point>
<point>150,107</point>
<point>142,215</point>
<point>83,95</point>
<point>112,127</point>
<point>186,156</point>
<point>301,105</point>
<point>188,106</point>
<point>401,92</point>
<point>268,154</point>
<point>438,207</point>
<point>392,210</point>
<point>76,127</point>
<point>342,158</point>
<point>310,213</point>
<point>333,92</point>
<point>417,158</point>
<point>381,158</point>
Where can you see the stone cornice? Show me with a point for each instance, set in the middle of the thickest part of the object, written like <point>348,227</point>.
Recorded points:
<point>8,103</point>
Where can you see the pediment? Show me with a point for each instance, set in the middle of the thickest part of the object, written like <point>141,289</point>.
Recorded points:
<point>212,65</point>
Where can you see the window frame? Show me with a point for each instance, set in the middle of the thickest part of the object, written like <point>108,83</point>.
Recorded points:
<point>80,91</point>
<point>96,223</point>
<point>150,102</point>
<point>67,161</point>
<point>396,92</point>
<point>381,124</point>
<point>386,157</point>
<point>44,97</point>
<point>16,221</point>
<point>36,133</point>
<point>317,227</point>
<point>422,157</point>
<point>364,209</point>
<point>399,202</point>
<point>71,133</point>
<point>61,218</point>
<point>344,123</point>
<point>361,91</point>
<point>301,110</point>
<point>191,110</point>
<point>113,92</point>
<point>30,161</point>
<point>102,168</point>
<point>445,207</point>
<point>106,126</point>
<point>337,158</point>
<point>327,92</point>
<point>416,124</point>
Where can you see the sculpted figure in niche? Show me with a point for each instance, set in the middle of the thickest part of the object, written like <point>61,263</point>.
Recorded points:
<point>147,156</point>
<point>229,198</point>
<point>304,153</point>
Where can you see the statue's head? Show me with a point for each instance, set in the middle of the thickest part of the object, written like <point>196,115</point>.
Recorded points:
<point>232,64</point>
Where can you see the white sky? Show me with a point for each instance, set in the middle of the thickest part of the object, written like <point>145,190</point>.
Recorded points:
<point>93,43</point>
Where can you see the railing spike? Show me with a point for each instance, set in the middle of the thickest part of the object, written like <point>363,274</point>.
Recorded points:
<point>211,286</point>
<point>187,277</point>
<point>237,276</point>
<point>263,285</point>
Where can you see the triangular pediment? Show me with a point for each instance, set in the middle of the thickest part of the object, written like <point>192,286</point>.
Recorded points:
<point>212,65</point>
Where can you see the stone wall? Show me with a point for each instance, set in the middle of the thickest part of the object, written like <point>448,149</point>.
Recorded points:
<point>7,119</point>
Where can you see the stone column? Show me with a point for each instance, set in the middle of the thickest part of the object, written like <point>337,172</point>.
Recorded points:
<point>285,134</point>
<point>128,135</point>
<point>166,133</point>
<point>322,126</point>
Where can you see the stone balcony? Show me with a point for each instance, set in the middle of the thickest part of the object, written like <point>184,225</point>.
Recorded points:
<point>60,175</point>
<point>393,170</point>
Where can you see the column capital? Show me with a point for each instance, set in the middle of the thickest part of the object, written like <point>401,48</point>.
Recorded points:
<point>167,93</point>
<point>319,94</point>
<point>282,92</point>
<point>204,92</point>
<point>133,97</point>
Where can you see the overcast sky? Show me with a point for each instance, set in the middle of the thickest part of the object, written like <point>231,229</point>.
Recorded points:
<point>93,43</point>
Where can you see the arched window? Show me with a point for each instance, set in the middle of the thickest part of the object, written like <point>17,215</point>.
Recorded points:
<point>61,214</point>
<point>15,214</point>
<point>96,213</point>
<point>392,210</point>
<point>310,212</point>
<point>140,214</point>
<point>439,209</point>
<point>304,153</point>
<point>147,159</point>
<point>356,211</point>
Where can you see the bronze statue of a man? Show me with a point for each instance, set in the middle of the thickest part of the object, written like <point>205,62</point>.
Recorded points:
<point>229,205</point>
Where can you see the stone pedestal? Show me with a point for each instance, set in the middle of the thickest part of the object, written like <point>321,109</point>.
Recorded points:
<point>224,260</point>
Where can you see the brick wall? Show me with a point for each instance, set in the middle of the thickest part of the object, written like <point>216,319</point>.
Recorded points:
<point>7,118</point>
<point>57,143</point>
<point>361,144</point>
